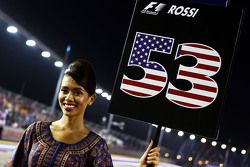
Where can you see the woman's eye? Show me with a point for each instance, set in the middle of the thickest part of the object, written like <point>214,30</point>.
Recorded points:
<point>64,91</point>
<point>77,93</point>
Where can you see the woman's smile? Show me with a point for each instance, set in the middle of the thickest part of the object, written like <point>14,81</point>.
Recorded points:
<point>69,106</point>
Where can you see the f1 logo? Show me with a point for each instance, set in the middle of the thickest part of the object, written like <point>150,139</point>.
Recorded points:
<point>153,8</point>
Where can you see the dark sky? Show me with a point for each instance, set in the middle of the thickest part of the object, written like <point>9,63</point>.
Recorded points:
<point>97,31</point>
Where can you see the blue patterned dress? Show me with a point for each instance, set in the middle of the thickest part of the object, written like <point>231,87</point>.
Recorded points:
<point>38,148</point>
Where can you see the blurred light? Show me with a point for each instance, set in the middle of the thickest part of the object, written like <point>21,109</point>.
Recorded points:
<point>99,91</point>
<point>203,140</point>
<point>104,94</point>
<point>68,48</point>
<point>12,29</point>
<point>243,152</point>
<point>166,155</point>
<point>108,97</point>
<point>58,64</point>
<point>206,162</point>
<point>233,149</point>
<point>154,125</point>
<point>104,119</point>
<point>45,54</point>
<point>223,146</point>
<point>200,162</point>
<point>221,165</point>
<point>214,143</point>
<point>180,133</point>
<point>192,137</point>
<point>178,156</point>
<point>168,130</point>
<point>31,42</point>
<point>190,159</point>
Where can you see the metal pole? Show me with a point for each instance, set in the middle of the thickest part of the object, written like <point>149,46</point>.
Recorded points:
<point>227,3</point>
<point>157,136</point>
<point>150,128</point>
<point>23,87</point>
<point>54,101</point>
<point>226,157</point>
<point>111,116</point>
<point>161,136</point>
<point>156,139</point>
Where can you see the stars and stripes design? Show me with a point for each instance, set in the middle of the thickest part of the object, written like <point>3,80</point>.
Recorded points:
<point>155,77</point>
<point>205,89</point>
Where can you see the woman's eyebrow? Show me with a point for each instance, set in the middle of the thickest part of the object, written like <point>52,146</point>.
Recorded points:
<point>81,89</point>
<point>75,89</point>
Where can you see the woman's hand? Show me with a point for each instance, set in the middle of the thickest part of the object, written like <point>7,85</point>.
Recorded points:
<point>150,156</point>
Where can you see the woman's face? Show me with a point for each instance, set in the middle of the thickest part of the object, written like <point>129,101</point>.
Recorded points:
<point>73,98</point>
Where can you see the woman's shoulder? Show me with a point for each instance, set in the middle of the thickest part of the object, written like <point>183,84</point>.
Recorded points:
<point>95,135</point>
<point>99,141</point>
<point>37,124</point>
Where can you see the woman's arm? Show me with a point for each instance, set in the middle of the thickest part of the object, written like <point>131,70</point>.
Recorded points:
<point>20,157</point>
<point>150,156</point>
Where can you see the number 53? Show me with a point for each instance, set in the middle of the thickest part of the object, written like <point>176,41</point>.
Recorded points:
<point>204,89</point>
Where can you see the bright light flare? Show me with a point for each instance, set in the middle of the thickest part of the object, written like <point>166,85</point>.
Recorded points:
<point>223,146</point>
<point>31,42</point>
<point>58,63</point>
<point>203,140</point>
<point>243,152</point>
<point>104,94</point>
<point>180,133</point>
<point>46,54</point>
<point>214,143</point>
<point>99,91</point>
<point>168,130</point>
<point>12,29</point>
<point>192,137</point>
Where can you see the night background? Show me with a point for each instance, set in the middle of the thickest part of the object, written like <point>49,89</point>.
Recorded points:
<point>97,31</point>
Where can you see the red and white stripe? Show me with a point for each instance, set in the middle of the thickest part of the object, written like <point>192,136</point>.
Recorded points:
<point>204,89</point>
<point>150,85</point>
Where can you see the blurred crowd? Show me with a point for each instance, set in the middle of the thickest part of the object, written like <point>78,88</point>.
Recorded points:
<point>19,112</point>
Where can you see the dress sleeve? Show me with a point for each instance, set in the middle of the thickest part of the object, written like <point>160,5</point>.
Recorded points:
<point>20,157</point>
<point>101,156</point>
